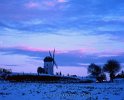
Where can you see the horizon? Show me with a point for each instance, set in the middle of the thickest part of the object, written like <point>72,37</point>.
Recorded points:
<point>82,32</point>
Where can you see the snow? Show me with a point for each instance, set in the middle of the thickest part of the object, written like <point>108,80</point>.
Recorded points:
<point>59,91</point>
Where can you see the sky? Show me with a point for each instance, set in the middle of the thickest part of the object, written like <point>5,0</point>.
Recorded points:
<point>81,31</point>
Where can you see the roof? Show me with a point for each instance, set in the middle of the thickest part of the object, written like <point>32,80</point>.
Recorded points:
<point>48,59</point>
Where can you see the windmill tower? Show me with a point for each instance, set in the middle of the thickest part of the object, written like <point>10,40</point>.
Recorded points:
<point>49,63</point>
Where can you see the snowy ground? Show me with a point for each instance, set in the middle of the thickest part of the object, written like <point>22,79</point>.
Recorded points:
<point>42,91</point>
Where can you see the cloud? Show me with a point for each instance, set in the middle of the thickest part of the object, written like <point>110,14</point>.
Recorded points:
<point>97,25</point>
<point>11,65</point>
<point>85,31</point>
<point>45,4</point>
<point>62,1</point>
<point>68,58</point>
<point>23,50</point>
<point>32,5</point>
<point>45,15</point>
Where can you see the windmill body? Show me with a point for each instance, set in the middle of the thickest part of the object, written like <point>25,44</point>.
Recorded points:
<point>48,65</point>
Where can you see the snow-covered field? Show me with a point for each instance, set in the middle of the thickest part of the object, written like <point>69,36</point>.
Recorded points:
<point>42,91</point>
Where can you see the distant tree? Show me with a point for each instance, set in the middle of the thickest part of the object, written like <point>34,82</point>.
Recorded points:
<point>5,71</point>
<point>40,70</point>
<point>8,71</point>
<point>1,70</point>
<point>60,73</point>
<point>57,73</point>
<point>112,67</point>
<point>94,69</point>
<point>121,75</point>
<point>122,72</point>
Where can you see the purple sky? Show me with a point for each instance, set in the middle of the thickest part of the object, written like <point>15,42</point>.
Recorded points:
<point>81,31</point>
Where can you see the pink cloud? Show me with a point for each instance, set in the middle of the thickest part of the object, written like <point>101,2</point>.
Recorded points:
<point>46,4</point>
<point>50,4</point>
<point>32,5</point>
<point>62,1</point>
<point>30,48</point>
<point>78,51</point>
<point>24,48</point>
<point>53,3</point>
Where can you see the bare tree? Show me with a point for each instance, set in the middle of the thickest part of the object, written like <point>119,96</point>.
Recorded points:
<point>94,69</point>
<point>112,67</point>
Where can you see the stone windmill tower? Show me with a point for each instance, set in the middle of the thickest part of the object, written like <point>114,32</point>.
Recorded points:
<point>49,63</point>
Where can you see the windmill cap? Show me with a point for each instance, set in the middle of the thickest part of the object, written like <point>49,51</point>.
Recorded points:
<point>48,59</point>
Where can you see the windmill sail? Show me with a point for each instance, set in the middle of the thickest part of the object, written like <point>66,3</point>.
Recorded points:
<point>53,57</point>
<point>53,53</point>
<point>50,54</point>
<point>55,64</point>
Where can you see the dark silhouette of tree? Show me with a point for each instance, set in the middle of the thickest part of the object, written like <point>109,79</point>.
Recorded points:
<point>122,72</point>
<point>112,67</point>
<point>40,70</point>
<point>60,73</point>
<point>94,69</point>
<point>57,73</point>
<point>1,70</point>
<point>5,71</point>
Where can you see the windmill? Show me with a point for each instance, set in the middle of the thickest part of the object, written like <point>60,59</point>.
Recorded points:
<point>49,63</point>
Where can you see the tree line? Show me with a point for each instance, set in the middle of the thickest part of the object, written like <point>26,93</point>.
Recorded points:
<point>111,66</point>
